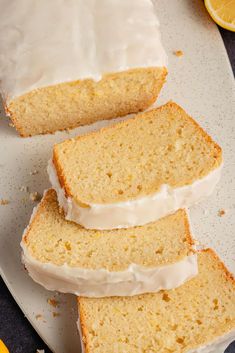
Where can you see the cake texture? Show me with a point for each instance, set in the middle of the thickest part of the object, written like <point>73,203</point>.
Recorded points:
<point>63,256</point>
<point>104,60</point>
<point>136,171</point>
<point>199,316</point>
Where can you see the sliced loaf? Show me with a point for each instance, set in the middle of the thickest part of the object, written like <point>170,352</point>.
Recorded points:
<point>104,59</point>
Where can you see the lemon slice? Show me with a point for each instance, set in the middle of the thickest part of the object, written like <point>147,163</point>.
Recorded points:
<point>3,348</point>
<point>222,12</point>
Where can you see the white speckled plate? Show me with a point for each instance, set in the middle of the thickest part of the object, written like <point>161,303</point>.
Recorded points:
<point>202,82</point>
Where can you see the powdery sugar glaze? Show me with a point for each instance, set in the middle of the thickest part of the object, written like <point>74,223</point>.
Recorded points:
<point>133,280</point>
<point>43,43</point>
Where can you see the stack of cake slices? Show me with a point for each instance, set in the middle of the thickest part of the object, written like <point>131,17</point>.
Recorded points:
<point>115,231</point>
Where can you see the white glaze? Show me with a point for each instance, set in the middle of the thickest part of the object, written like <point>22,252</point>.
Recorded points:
<point>43,43</point>
<point>217,346</point>
<point>134,280</point>
<point>134,212</point>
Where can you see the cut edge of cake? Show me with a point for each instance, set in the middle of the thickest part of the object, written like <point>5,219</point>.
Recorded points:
<point>100,282</point>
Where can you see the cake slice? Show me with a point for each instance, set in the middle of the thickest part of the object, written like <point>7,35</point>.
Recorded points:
<point>63,256</point>
<point>104,59</point>
<point>196,317</point>
<point>136,171</point>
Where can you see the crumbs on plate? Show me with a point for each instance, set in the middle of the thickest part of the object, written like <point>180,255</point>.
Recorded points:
<point>34,196</point>
<point>4,202</point>
<point>178,53</point>
<point>38,316</point>
<point>55,314</point>
<point>24,188</point>
<point>53,302</point>
<point>221,212</point>
<point>34,172</point>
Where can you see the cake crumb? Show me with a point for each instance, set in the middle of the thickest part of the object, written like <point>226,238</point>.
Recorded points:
<point>24,188</point>
<point>55,314</point>
<point>178,53</point>
<point>24,200</point>
<point>38,316</point>
<point>34,196</point>
<point>221,212</point>
<point>53,302</point>
<point>11,124</point>
<point>34,172</point>
<point>4,202</point>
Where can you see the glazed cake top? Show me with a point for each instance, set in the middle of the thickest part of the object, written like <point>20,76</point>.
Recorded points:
<point>43,43</point>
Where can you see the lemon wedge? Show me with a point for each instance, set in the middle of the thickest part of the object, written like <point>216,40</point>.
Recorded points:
<point>222,12</point>
<point>3,348</point>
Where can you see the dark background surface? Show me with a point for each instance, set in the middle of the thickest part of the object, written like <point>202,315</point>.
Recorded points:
<point>15,330</point>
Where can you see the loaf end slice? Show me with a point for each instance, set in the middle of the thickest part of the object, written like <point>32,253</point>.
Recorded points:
<point>82,102</point>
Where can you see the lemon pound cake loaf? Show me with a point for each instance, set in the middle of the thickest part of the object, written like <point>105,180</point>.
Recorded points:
<point>196,317</point>
<point>136,171</point>
<point>63,256</point>
<point>68,63</point>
